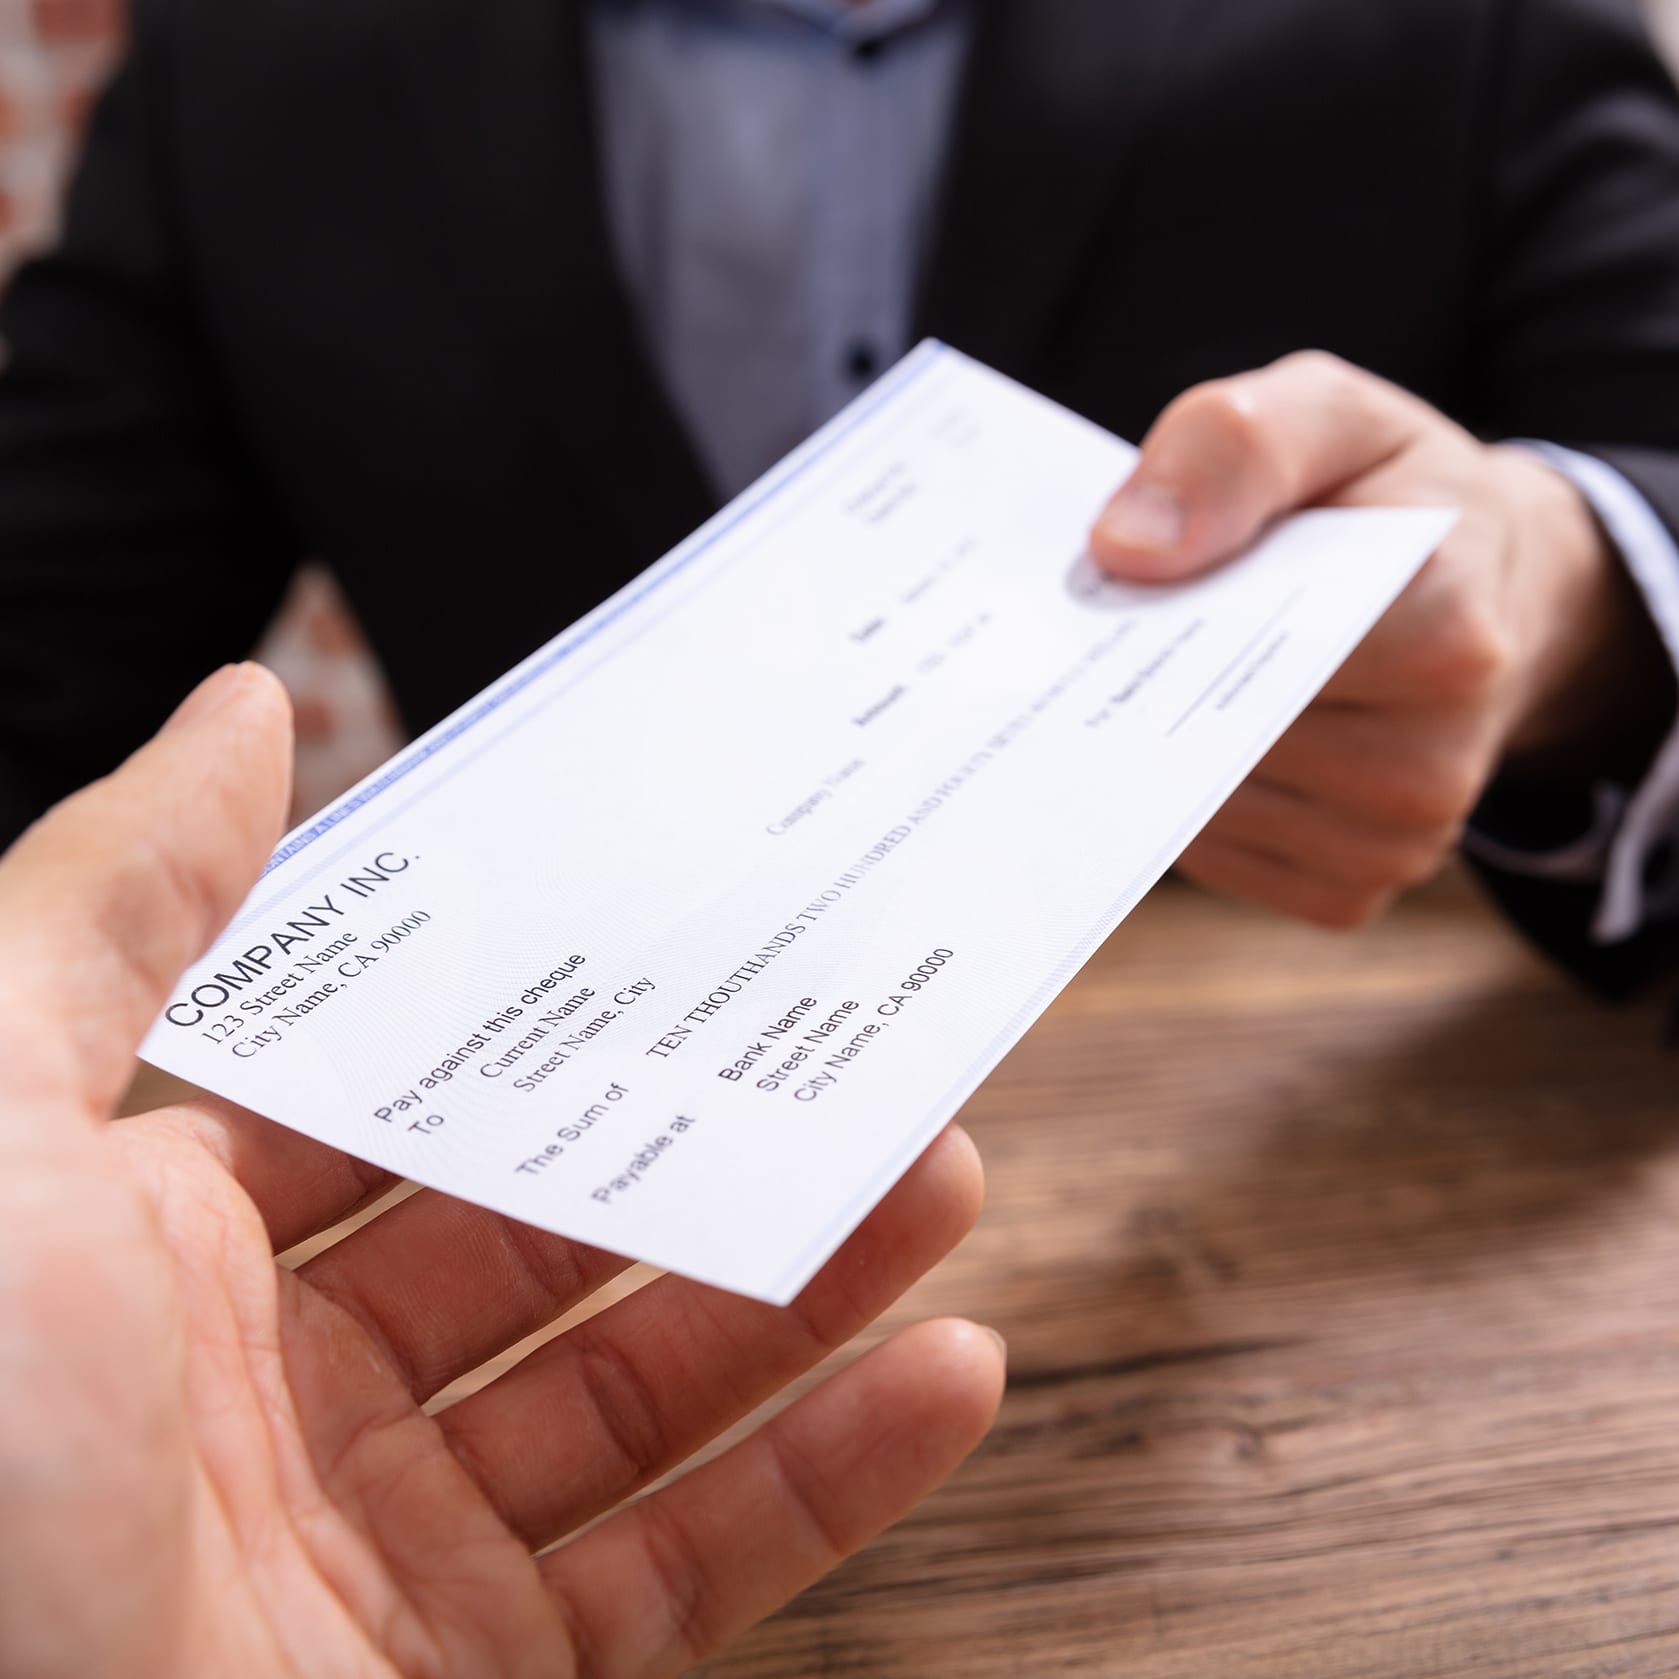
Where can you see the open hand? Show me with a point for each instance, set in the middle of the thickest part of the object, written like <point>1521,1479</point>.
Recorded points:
<point>213,1465</point>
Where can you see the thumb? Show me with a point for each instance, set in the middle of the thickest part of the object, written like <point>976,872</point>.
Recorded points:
<point>109,896</point>
<point>1228,458</point>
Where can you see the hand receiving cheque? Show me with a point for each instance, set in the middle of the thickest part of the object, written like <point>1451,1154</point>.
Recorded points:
<point>1517,645</point>
<point>211,1464</point>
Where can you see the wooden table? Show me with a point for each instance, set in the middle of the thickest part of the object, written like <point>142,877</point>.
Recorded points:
<point>1341,1282</point>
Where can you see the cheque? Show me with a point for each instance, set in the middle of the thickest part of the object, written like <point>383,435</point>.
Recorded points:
<point>685,937</point>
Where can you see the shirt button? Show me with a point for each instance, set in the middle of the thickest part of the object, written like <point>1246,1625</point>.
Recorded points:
<point>868,51</point>
<point>862,360</point>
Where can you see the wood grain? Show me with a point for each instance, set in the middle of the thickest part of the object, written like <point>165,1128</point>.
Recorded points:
<point>1341,1282</point>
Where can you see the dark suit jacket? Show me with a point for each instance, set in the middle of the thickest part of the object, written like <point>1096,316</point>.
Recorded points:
<point>335,283</point>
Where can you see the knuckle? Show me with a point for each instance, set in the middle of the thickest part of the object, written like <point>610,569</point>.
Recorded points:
<point>629,1414</point>
<point>1234,447</point>
<point>1317,364</point>
<point>1432,807</point>
<point>1472,652</point>
<point>1347,912</point>
<point>550,1267</point>
<point>1393,866</point>
<point>827,1317</point>
<point>682,1572</point>
<point>1221,414</point>
<point>1329,383</point>
<point>1418,864</point>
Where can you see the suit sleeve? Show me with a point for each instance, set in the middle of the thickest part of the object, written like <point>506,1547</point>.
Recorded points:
<point>137,546</point>
<point>1576,341</point>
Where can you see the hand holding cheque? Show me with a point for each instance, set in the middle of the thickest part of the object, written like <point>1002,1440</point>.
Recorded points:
<point>1524,644</point>
<point>688,936</point>
<point>214,1465</point>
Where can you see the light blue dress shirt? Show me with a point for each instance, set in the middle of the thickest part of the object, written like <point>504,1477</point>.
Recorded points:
<point>771,170</point>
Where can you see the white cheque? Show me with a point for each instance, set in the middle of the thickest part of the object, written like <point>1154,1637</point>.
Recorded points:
<point>688,935</point>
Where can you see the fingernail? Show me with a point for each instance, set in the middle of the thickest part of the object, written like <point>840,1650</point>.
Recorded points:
<point>1002,1345</point>
<point>1149,517</point>
<point>209,697</point>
